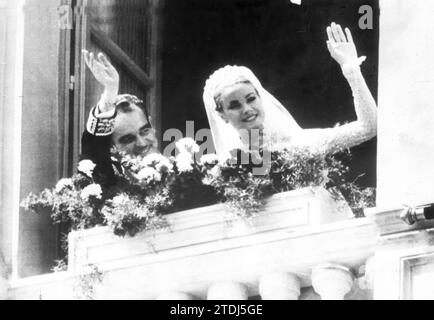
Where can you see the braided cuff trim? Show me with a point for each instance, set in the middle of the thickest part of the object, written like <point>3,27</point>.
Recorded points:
<point>99,126</point>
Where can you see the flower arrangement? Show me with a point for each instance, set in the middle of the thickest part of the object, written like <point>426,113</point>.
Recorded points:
<point>154,185</point>
<point>300,168</point>
<point>149,188</point>
<point>246,193</point>
<point>239,188</point>
<point>76,201</point>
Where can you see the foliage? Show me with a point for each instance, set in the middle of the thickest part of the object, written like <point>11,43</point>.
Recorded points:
<point>76,201</point>
<point>246,193</point>
<point>85,283</point>
<point>239,188</point>
<point>60,265</point>
<point>127,214</point>
<point>152,186</point>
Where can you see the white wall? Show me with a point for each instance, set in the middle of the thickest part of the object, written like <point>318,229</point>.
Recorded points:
<point>11,41</point>
<point>406,102</point>
<point>29,131</point>
<point>40,138</point>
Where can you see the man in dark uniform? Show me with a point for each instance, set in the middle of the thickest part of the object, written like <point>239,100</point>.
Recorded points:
<point>119,121</point>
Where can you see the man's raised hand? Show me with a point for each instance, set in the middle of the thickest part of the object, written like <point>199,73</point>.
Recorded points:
<point>104,72</point>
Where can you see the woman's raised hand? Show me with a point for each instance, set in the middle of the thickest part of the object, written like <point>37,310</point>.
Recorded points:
<point>341,45</point>
<point>104,72</point>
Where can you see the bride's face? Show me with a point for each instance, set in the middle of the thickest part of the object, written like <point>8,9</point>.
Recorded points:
<point>241,106</point>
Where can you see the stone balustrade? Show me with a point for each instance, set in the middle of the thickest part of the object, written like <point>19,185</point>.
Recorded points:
<point>332,282</point>
<point>303,246</point>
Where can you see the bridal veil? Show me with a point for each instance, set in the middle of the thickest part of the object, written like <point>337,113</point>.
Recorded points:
<point>278,122</point>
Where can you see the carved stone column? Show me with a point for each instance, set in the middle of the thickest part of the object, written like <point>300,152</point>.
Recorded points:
<point>332,282</point>
<point>228,291</point>
<point>175,295</point>
<point>279,286</point>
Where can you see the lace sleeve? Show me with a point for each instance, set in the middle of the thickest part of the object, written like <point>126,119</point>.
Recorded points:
<point>351,134</point>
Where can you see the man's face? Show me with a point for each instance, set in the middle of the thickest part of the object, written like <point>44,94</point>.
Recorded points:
<point>133,134</point>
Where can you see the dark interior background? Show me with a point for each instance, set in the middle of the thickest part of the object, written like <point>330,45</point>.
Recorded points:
<point>284,44</point>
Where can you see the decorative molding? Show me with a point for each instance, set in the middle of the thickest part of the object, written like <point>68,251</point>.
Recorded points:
<point>410,266</point>
<point>394,257</point>
<point>389,220</point>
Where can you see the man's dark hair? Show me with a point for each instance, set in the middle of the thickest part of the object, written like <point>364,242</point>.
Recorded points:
<point>125,103</point>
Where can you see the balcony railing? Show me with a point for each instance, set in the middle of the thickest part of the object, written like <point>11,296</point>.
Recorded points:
<point>304,239</point>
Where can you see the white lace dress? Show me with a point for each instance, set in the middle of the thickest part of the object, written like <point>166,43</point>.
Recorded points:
<point>344,136</point>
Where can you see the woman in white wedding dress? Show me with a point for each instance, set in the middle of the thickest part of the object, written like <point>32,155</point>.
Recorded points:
<point>240,110</point>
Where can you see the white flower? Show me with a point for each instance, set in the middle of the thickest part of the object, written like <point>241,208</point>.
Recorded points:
<point>211,158</point>
<point>63,183</point>
<point>149,174</point>
<point>120,199</point>
<point>187,145</point>
<point>160,162</point>
<point>142,212</point>
<point>91,190</point>
<point>224,157</point>
<point>184,162</point>
<point>207,180</point>
<point>86,166</point>
<point>215,172</point>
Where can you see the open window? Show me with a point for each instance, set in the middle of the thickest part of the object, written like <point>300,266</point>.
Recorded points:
<point>284,44</point>
<point>128,33</point>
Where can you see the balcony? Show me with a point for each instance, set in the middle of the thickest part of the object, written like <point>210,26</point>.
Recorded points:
<point>301,247</point>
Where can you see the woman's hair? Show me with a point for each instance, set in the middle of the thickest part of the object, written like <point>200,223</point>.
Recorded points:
<point>219,102</point>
